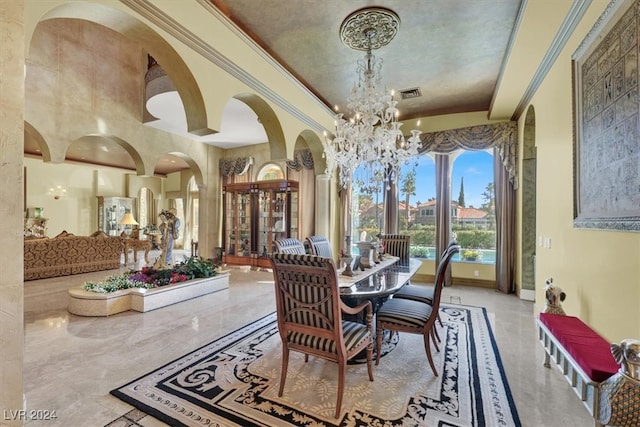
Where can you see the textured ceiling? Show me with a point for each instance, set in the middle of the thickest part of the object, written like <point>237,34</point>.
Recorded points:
<point>452,50</point>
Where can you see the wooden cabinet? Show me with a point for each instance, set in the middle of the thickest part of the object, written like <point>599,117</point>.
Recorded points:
<point>277,216</point>
<point>237,224</point>
<point>255,215</point>
<point>110,212</point>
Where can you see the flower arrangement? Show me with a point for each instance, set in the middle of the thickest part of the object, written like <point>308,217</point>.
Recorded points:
<point>471,254</point>
<point>149,277</point>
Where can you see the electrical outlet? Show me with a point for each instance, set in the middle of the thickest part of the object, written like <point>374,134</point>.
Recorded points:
<point>476,273</point>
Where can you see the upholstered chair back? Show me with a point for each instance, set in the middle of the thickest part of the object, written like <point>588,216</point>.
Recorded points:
<point>320,246</point>
<point>441,271</point>
<point>309,312</point>
<point>308,297</point>
<point>289,246</point>
<point>397,245</point>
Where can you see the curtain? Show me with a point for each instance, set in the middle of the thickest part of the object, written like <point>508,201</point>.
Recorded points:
<point>443,209</point>
<point>301,169</point>
<point>505,198</point>
<point>236,170</point>
<point>503,137</point>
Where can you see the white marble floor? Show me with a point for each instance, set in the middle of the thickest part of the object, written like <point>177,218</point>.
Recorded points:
<point>71,363</point>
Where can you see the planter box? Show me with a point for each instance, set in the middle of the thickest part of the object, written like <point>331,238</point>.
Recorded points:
<point>86,303</point>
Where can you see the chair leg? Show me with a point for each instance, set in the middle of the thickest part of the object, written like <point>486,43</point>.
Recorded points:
<point>440,320</point>
<point>341,368</point>
<point>285,366</point>
<point>370,359</point>
<point>379,333</point>
<point>427,347</point>
<point>434,335</point>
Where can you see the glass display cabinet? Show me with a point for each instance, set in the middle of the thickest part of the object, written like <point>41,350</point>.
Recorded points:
<point>110,212</point>
<point>255,215</point>
<point>237,224</point>
<point>277,216</point>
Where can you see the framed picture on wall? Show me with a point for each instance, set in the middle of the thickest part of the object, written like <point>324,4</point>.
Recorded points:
<point>606,122</point>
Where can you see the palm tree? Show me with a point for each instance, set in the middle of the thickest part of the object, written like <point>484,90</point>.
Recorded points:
<point>409,189</point>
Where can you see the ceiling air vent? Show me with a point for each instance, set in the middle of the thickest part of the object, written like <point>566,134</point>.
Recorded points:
<point>410,93</point>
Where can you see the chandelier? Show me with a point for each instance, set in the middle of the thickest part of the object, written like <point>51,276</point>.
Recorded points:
<point>372,135</point>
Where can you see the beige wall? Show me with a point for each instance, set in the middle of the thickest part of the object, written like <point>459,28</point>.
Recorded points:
<point>598,270</point>
<point>76,212</point>
<point>11,207</point>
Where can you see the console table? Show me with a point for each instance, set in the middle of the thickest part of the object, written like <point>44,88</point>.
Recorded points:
<point>136,245</point>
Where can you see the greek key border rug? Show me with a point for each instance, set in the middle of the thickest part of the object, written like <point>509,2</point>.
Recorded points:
<point>234,380</point>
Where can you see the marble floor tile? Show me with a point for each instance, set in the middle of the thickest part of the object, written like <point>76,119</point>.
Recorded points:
<point>71,362</point>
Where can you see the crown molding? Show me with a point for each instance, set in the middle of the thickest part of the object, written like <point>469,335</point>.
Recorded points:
<point>571,21</point>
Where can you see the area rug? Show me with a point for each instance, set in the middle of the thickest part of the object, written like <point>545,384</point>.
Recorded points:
<point>234,381</point>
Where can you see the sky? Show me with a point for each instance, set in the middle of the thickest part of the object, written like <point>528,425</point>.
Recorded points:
<point>475,166</point>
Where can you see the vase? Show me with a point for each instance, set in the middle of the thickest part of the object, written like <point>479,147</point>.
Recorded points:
<point>347,260</point>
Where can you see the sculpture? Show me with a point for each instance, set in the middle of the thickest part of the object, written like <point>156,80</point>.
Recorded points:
<point>554,297</point>
<point>170,230</point>
<point>619,393</point>
<point>627,355</point>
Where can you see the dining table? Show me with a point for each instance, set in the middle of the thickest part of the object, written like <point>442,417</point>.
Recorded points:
<point>377,283</point>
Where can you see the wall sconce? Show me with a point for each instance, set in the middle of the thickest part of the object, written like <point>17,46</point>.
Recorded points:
<point>57,192</point>
<point>128,221</point>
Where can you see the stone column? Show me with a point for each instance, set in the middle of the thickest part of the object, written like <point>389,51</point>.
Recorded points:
<point>12,95</point>
<point>323,208</point>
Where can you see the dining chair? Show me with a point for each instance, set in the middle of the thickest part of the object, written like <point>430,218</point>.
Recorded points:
<point>423,292</point>
<point>309,312</point>
<point>320,246</point>
<point>405,315</point>
<point>397,245</point>
<point>289,245</point>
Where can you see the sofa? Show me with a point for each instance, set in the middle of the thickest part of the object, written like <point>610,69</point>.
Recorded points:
<point>67,254</point>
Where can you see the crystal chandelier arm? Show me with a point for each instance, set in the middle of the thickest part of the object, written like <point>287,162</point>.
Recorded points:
<point>372,135</point>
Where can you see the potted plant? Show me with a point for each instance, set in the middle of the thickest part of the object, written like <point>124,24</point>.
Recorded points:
<point>149,277</point>
<point>471,255</point>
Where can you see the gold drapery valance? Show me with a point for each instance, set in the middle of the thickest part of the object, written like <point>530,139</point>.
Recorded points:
<point>302,158</point>
<point>502,135</point>
<point>237,166</point>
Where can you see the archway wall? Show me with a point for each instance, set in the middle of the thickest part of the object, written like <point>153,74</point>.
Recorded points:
<point>82,93</point>
<point>597,269</point>
<point>222,62</point>
<point>527,220</point>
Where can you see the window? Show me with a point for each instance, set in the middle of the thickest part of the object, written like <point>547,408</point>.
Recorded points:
<point>417,197</point>
<point>367,204</point>
<point>194,208</point>
<point>472,205</point>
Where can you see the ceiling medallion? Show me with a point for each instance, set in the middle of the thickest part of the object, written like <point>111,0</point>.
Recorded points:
<point>369,28</point>
<point>371,134</point>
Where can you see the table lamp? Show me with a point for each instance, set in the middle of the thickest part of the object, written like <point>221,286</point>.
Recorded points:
<point>128,221</point>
